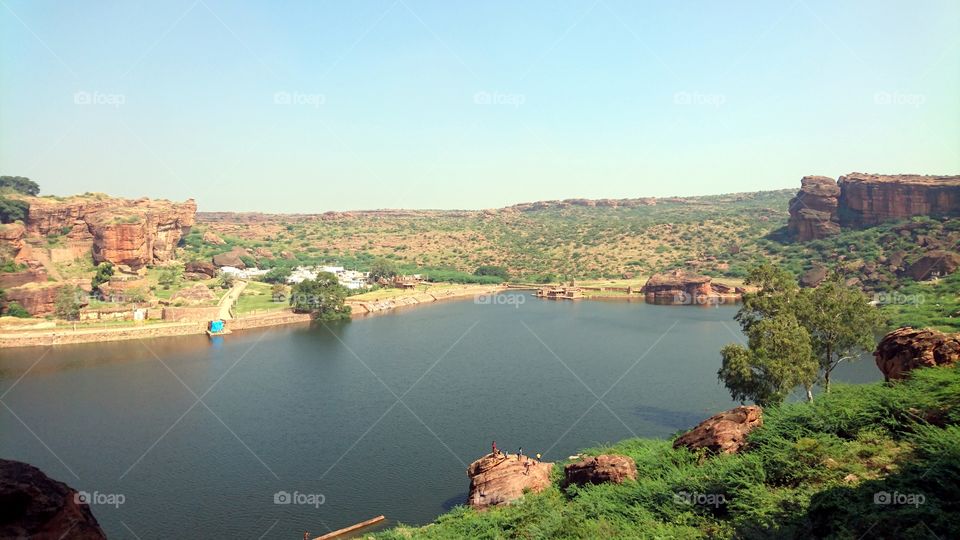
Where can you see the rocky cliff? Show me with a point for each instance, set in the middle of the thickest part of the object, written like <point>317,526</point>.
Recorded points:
<point>822,207</point>
<point>122,231</point>
<point>680,286</point>
<point>32,505</point>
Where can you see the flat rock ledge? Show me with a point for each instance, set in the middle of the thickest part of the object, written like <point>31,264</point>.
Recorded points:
<point>496,480</point>
<point>723,433</point>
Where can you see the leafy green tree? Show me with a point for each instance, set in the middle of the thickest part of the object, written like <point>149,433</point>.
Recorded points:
<point>14,309</point>
<point>778,359</point>
<point>278,274</point>
<point>170,275</point>
<point>103,275</point>
<point>20,184</point>
<point>226,280</point>
<point>68,303</point>
<point>278,292</point>
<point>383,268</point>
<point>323,297</point>
<point>491,270</point>
<point>841,323</point>
<point>12,210</point>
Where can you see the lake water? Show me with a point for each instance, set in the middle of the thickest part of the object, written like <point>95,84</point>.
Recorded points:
<point>374,416</point>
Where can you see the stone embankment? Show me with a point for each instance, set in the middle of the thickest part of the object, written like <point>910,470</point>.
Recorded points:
<point>365,307</point>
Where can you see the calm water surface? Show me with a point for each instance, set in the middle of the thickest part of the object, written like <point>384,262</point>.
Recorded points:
<point>379,415</point>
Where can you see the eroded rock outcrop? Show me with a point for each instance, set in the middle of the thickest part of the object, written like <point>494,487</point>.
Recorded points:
<point>813,211</point>
<point>495,479</point>
<point>723,433</point>
<point>871,199</point>
<point>605,468</point>
<point>32,505</point>
<point>199,270</point>
<point>683,287</point>
<point>823,206</point>
<point>127,232</point>
<point>39,299</point>
<point>231,258</point>
<point>907,348</point>
<point>934,263</point>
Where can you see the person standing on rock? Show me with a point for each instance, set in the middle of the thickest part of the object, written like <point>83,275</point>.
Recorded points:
<point>520,453</point>
<point>494,449</point>
<point>538,457</point>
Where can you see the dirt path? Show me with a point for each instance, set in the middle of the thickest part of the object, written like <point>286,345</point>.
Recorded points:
<point>230,298</point>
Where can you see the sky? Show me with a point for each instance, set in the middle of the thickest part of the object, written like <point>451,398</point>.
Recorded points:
<point>322,105</point>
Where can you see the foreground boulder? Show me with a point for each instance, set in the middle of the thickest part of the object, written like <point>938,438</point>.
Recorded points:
<point>723,433</point>
<point>606,468</point>
<point>495,479</point>
<point>907,348</point>
<point>32,505</point>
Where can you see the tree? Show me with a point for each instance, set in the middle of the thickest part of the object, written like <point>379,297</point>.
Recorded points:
<point>170,275</point>
<point>68,303</point>
<point>491,270</point>
<point>103,275</point>
<point>226,280</point>
<point>841,323</point>
<point>14,309</point>
<point>20,184</point>
<point>778,358</point>
<point>383,268</point>
<point>278,292</point>
<point>12,210</point>
<point>323,297</point>
<point>278,274</point>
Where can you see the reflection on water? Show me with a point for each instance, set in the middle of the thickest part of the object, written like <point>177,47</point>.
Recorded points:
<point>314,409</point>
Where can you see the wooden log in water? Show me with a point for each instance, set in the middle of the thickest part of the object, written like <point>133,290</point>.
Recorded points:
<point>352,528</point>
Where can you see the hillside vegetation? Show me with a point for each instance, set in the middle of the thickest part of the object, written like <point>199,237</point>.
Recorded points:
<point>859,460</point>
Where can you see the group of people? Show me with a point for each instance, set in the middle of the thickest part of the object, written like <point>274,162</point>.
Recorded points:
<point>498,452</point>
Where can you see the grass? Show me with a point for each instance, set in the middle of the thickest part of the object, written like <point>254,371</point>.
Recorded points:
<point>257,296</point>
<point>822,470</point>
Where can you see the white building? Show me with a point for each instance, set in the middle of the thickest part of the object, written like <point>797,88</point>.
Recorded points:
<point>350,279</point>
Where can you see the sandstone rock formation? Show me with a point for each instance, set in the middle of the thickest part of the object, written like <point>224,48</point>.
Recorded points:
<point>822,207</point>
<point>196,295</point>
<point>814,276</point>
<point>682,287</point>
<point>39,299</point>
<point>813,211</point>
<point>230,258</point>
<point>907,348</point>
<point>934,264</point>
<point>32,505</point>
<point>871,199</point>
<point>210,237</point>
<point>723,433</point>
<point>601,469</point>
<point>122,231</point>
<point>199,270</point>
<point>495,479</point>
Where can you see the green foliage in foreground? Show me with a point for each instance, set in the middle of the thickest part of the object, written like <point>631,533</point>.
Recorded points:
<point>794,481</point>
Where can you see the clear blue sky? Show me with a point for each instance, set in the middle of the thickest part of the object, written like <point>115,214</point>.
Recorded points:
<point>459,104</point>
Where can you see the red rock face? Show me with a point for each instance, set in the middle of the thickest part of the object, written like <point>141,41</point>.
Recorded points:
<point>36,506</point>
<point>601,469</point>
<point>682,287</point>
<point>723,433</point>
<point>906,349</point>
<point>496,480</point>
<point>813,212</point>
<point>130,232</point>
<point>871,199</point>
<point>822,207</point>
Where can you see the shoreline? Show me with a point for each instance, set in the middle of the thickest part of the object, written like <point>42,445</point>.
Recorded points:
<point>360,309</point>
